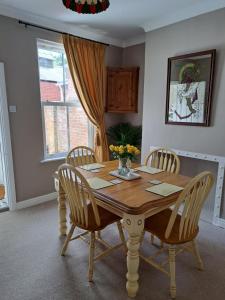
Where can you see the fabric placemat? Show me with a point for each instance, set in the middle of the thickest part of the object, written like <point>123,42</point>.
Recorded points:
<point>148,169</point>
<point>164,189</point>
<point>97,183</point>
<point>93,166</point>
<point>131,176</point>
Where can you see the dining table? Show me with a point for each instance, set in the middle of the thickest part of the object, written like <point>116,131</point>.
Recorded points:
<point>129,200</point>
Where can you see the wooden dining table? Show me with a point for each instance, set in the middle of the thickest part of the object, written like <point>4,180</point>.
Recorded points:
<point>132,202</point>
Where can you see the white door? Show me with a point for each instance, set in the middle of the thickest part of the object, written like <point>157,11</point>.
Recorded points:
<point>5,144</point>
<point>3,200</point>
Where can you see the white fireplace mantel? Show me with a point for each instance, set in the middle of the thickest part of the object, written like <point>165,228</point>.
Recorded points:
<point>220,161</point>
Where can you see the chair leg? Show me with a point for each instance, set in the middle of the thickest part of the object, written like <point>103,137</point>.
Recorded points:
<point>197,255</point>
<point>121,233</point>
<point>172,253</point>
<point>64,248</point>
<point>152,239</point>
<point>98,235</point>
<point>91,257</point>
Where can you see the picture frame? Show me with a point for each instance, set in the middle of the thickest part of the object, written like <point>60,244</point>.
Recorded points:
<point>189,88</point>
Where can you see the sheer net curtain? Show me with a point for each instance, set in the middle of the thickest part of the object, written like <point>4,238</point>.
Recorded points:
<point>86,61</point>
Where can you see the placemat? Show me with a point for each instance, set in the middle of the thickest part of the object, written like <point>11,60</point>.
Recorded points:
<point>97,183</point>
<point>93,166</point>
<point>149,170</point>
<point>131,176</point>
<point>164,189</point>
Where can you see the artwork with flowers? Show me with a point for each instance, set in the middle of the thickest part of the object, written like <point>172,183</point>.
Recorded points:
<point>189,88</point>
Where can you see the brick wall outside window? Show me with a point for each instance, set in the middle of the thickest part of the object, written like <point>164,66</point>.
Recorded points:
<point>56,122</point>
<point>50,91</point>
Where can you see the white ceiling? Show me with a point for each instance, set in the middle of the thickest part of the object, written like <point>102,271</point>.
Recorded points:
<point>122,24</point>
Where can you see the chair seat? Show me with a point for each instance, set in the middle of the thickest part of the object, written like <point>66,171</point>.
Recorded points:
<point>106,218</point>
<point>157,225</point>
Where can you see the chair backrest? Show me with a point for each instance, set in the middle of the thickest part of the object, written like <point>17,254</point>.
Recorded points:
<point>191,201</point>
<point>164,159</point>
<point>81,155</point>
<point>78,194</point>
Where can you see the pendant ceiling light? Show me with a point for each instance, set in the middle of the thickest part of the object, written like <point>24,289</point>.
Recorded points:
<point>87,6</point>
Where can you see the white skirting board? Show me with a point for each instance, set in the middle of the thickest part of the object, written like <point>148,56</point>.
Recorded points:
<point>220,161</point>
<point>219,222</point>
<point>36,200</point>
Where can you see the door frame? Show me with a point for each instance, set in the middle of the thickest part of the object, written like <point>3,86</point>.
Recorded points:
<point>5,144</point>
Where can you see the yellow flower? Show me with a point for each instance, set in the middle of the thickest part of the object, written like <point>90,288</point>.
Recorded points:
<point>124,149</point>
<point>137,152</point>
<point>129,148</point>
<point>111,148</point>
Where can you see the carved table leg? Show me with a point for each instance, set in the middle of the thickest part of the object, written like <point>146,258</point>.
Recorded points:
<point>134,225</point>
<point>61,208</point>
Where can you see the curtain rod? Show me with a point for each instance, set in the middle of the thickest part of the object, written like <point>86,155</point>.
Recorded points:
<point>56,31</point>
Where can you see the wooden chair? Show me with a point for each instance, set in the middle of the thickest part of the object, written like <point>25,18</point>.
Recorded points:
<point>81,155</point>
<point>85,214</point>
<point>177,229</point>
<point>164,159</point>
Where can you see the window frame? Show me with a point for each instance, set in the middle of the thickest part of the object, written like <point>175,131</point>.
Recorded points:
<point>58,47</point>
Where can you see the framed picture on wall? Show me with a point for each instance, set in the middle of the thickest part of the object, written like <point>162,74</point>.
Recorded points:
<point>189,88</point>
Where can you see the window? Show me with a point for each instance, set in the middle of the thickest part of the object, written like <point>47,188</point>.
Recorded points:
<point>65,123</point>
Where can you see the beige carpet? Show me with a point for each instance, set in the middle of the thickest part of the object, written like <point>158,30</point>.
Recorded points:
<point>31,268</point>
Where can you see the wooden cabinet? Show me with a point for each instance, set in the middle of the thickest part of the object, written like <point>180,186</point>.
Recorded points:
<point>122,90</point>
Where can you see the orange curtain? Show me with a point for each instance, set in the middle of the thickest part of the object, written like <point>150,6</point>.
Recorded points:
<point>86,61</point>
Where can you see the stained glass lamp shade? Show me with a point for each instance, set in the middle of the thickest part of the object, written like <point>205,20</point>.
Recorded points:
<point>87,6</point>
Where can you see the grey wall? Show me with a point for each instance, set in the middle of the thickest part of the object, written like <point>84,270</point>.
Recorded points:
<point>19,54</point>
<point>200,33</point>
<point>128,57</point>
<point>114,58</point>
<point>135,56</point>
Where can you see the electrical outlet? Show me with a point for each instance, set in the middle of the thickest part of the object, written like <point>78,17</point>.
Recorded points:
<point>12,108</point>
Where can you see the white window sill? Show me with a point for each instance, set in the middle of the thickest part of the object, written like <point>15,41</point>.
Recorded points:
<point>47,160</point>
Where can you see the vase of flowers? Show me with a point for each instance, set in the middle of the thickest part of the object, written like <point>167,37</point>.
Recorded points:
<point>125,154</point>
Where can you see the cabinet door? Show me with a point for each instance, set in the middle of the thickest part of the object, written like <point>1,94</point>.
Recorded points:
<point>112,92</point>
<point>122,90</point>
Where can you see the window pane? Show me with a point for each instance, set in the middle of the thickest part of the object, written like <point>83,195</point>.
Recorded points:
<point>49,129</point>
<point>78,127</point>
<point>62,132</point>
<point>56,129</point>
<point>65,123</point>
<point>51,75</point>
